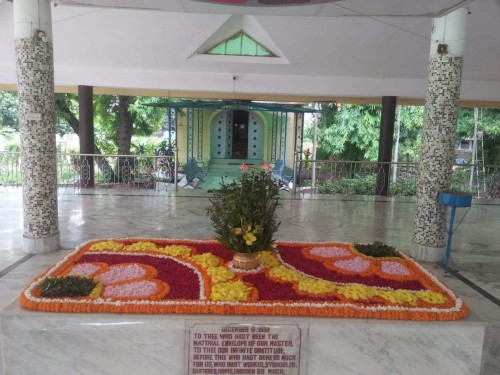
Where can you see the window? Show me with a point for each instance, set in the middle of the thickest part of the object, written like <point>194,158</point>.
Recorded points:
<point>240,44</point>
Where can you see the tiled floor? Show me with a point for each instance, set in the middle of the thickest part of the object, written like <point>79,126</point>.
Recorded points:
<point>475,249</point>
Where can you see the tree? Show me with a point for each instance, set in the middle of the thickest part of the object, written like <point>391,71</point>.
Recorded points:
<point>488,123</point>
<point>66,107</point>
<point>8,109</point>
<point>351,132</point>
<point>120,117</point>
<point>412,118</point>
<point>116,119</point>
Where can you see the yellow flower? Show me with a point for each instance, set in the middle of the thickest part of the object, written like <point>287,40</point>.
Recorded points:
<point>141,245</point>
<point>283,273</point>
<point>106,246</point>
<point>230,291</point>
<point>97,291</point>
<point>176,250</point>
<point>206,260</point>
<point>315,286</point>
<point>356,292</point>
<point>220,274</point>
<point>398,296</point>
<point>249,238</point>
<point>237,231</point>
<point>268,259</point>
<point>431,297</point>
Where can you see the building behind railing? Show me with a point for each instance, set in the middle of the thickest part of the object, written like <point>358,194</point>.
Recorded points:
<point>159,173</point>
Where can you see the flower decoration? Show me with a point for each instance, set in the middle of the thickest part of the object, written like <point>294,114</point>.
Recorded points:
<point>193,276</point>
<point>231,291</point>
<point>244,167</point>
<point>243,212</point>
<point>266,167</point>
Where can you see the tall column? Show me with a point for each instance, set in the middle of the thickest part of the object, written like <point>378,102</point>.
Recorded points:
<point>438,134</point>
<point>385,142</point>
<point>86,134</point>
<point>35,79</point>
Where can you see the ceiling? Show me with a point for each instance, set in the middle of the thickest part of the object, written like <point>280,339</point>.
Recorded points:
<point>322,8</point>
<point>352,50</point>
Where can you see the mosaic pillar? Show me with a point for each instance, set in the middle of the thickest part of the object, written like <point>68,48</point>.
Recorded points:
<point>438,134</point>
<point>35,79</point>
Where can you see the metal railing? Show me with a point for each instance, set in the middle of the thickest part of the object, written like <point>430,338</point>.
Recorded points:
<point>369,178</point>
<point>143,172</point>
<point>10,169</point>
<point>80,171</point>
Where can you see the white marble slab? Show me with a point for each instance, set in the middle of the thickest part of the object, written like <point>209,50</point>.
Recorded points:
<point>37,343</point>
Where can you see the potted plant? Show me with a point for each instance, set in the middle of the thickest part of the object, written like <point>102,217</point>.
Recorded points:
<point>243,214</point>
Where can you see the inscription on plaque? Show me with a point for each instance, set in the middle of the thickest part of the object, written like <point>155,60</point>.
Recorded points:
<point>244,349</point>
<point>33,116</point>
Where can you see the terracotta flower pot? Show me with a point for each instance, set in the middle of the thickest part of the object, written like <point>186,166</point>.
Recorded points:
<point>246,261</point>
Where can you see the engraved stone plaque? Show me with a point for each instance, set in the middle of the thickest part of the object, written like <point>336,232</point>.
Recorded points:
<point>240,348</point>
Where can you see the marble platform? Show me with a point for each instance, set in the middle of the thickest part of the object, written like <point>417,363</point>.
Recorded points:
<point>36,343</point>
<point>475,252</point>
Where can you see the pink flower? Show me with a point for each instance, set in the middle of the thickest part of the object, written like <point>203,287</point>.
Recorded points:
<point>330,252</point>
<point>394,268</point>
<point>122,272</point>
<point>357,264</point>
<point>266,166</point>
<point>244,167</point>
<point>142,288</point>
<point>85,269</point>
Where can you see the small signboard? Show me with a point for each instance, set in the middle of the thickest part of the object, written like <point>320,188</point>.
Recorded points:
<point>239,348</point>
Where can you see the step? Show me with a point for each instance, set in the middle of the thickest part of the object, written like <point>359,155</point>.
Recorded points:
<point>49,343</point>
<point>236,162</point>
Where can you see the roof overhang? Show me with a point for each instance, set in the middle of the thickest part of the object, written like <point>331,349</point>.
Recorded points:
<point>118,48</point>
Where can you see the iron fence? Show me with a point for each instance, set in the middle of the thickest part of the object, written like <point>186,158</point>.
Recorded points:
<point>143,172</point>
<point>81,171</point>
<point>370,178</point>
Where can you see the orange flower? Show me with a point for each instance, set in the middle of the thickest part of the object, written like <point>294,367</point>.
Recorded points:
<point>244,167</point>
<point>266,166</point>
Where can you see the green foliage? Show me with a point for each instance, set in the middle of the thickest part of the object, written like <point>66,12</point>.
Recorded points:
<point>460,180</point>
<point>358,185</point>
<point>13,147</point>
<point>243,213</point>
<point>492,183</point>
<point>67,286</point>
<point>359,127</point>
<point>351,132</point>
<point>10,171</point>
<point>404,187</point>
<point>8,109</point>
<point>145,146</point>
<point>63,119</point>
<point>366,184</point>
<point>488,124</point>
<point>167,165</point>
<point>377,250</point>
<point>410,131</point>
<point>10,138</point>
<point>109,121</point>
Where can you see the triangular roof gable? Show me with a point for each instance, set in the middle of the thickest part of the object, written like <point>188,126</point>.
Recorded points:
<point>249,26</point>
<point>240,44</point>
